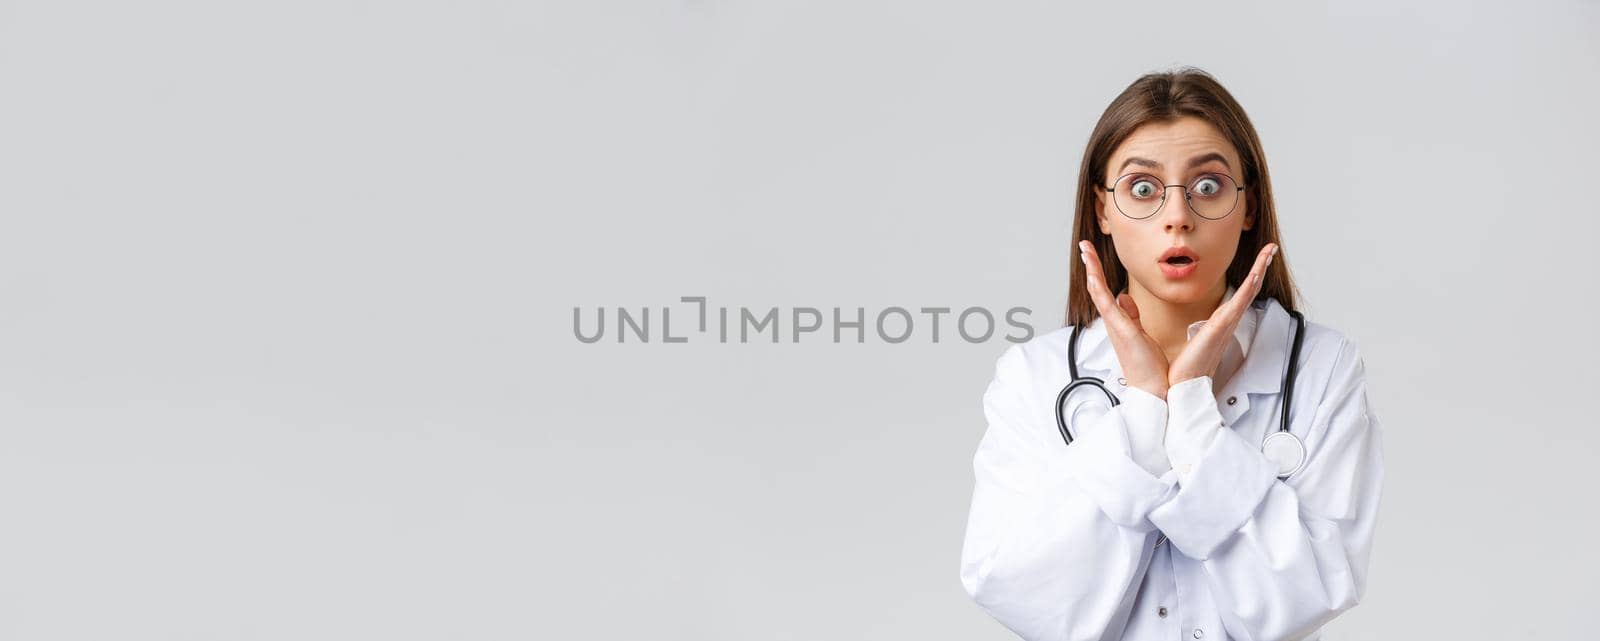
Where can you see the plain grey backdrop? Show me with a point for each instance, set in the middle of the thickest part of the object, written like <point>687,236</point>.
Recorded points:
<point>286,294</point>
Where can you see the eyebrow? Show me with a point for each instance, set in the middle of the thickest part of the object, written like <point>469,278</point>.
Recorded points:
<point>1193,162</point>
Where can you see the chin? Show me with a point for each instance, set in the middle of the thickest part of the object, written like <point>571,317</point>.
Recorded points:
<point>1193,289</point>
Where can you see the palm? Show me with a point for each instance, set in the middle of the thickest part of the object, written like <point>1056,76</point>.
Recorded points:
<point>1202,354</point>
<point>1144,363</point>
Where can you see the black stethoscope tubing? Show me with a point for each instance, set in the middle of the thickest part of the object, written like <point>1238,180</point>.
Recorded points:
<point>1288,388</point>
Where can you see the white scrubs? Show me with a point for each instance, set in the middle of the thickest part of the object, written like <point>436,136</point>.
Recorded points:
<point>1066,542</point>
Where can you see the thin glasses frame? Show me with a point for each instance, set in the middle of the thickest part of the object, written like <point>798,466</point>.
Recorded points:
<point>1186,195</point>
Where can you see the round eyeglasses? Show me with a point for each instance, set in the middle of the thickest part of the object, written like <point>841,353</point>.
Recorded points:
<point>1211,195</point>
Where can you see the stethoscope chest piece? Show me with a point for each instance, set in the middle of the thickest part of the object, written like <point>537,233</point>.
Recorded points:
<point>1285,450</point>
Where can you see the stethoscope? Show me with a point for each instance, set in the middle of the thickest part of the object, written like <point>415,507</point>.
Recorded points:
<point>1280,447</point>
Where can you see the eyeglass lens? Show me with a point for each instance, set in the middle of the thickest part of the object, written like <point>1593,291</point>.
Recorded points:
<point>1210,195</point>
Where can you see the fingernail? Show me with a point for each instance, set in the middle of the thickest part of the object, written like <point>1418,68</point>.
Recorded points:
<point>1274,250</point>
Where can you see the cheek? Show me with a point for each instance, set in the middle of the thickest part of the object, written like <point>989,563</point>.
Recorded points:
<point>1226,248</point>
<point>1138,250</point>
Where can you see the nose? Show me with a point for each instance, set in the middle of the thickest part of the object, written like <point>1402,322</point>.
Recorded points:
<point>1175,212</point>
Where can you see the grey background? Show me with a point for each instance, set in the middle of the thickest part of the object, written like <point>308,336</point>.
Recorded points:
<point>286,294</point>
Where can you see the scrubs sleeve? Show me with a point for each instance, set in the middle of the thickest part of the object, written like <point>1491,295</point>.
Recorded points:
<point>1058,537</point>
<point>1282,556</point>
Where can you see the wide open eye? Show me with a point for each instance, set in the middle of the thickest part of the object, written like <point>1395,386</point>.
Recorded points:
<point>1206,186</point>
<point>1143,187</point>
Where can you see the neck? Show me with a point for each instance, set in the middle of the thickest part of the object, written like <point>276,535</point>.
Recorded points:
<point>1168,322</point>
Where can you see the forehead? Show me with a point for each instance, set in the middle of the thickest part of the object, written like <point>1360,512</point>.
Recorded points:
<point>1172,143</point>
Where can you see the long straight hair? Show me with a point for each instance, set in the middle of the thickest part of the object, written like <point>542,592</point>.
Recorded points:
<point>1163,97</point>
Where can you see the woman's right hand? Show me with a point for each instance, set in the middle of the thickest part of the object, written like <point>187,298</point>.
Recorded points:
<point>1143,363</point>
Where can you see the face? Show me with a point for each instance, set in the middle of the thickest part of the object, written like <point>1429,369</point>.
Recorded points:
<point>1168,153</point>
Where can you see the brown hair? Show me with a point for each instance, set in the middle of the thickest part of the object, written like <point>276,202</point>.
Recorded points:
<point>1160,97</point>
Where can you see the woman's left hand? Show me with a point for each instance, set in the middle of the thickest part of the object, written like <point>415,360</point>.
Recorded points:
<point>1202,354</point>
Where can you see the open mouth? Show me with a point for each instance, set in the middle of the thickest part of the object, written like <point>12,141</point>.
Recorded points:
<point>1178,262</point>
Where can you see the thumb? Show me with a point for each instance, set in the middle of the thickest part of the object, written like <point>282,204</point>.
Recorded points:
<point>1126,303</point>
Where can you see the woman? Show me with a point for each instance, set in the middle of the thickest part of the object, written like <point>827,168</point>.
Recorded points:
<point>1164,518</point>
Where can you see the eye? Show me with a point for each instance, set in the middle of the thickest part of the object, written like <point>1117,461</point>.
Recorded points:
<point>1206,186</point>
<point>1143,188</point>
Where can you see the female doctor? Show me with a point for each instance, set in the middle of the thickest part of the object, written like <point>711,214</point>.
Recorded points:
<point>1164,517</point>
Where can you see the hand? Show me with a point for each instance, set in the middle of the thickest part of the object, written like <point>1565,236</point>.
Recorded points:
<point>1144,364</point>
<point>1203,353</point>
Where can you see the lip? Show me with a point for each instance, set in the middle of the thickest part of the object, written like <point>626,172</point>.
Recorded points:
<point>1178,271</point>
<point>1175,271</point>
<point>1178,250</point>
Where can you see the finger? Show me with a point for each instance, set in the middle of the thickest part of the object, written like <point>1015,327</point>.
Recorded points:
<point>1258,272</point>
<point>1128,305</point>
<point>1131,308</point>
<point>1251,286</point>
<point>1264,258</point>
<point>1099,291</point>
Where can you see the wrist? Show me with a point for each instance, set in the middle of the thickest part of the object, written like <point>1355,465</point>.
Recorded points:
<point>1192,388</point>
<point>1158,390</point>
